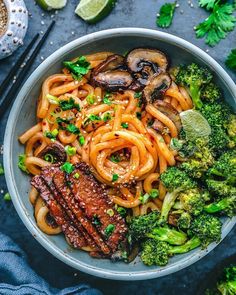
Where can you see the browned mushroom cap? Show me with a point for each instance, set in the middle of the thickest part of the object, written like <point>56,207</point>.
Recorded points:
<point>145,62</point>
<point>55,149</point>
<point>167,109</point>
<point>111,63</point>
<point>156,87</point>
<point>113,80</point>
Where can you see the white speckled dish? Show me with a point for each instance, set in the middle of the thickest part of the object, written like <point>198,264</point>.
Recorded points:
<point>17,24</point>
<point>22,117</point>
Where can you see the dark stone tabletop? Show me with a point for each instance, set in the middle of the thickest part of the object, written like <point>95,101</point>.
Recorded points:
<point>127,13</point>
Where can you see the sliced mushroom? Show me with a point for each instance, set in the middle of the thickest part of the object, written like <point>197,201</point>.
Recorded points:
<point>145,62</point>
<point>111,63</point>
<point>113,80</point>
<point>158,126</point>
<point>167,109</point>
<point>156,87</point>
<point>55,149</point>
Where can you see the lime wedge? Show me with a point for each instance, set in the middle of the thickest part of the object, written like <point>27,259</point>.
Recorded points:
<point>194,125</point>
<point>92,11</point>
<point>51,4</point>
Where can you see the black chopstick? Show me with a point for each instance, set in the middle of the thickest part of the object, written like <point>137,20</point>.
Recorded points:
<point>10,96</point>
<point>17,65</point>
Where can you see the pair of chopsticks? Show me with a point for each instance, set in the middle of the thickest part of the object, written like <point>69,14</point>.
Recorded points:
<point>10,96</point>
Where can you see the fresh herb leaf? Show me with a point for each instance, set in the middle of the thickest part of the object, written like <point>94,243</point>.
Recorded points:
<point>1,169</point>
<point>109,230</point>
<point>154,193</point>
<point>217,25</point>
<point>138,95</point>
<point>69,104</point>
<point>231,60</point>
<point>150,122</point>
<point>7,197</point>
<point>106,117</point>
<point>208,4</point>
<point>76,175</point>
<point>124,125</point>
<point>106,98</point>
<point>139,115</point>
<point>51,134</point>
<point>96,220</point>
<point>166,13</point>
<point>115,158</point>
<point>49,158</point>
<point>67,167</point>
<point>73,129</point>
<point>90,99</point>
<point>21,163</point>
<point>144,198</point>
<point>71,151</point>
<point>115,177</point>
<point>121,211</point>
<point>93,117</point>
<point>78,68</point>
<point>81,140</point>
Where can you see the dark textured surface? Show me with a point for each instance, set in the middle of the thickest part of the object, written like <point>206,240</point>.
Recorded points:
<point>127,13</point>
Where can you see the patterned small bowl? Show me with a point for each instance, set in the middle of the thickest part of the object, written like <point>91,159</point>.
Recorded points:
<point>16,27</point>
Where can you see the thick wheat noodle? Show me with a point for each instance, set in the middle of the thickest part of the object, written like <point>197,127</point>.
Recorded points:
<point>29,133</point>
<point>33,195</point>
<point>129,204</point>
<point>185,94</point>
<point>163,118</point>
<point>30,149</point>
<point>32,163</point>
<point>147,184</point>
<point>144,209</point>
<point>177,95</point>
<point>41,219</point>
<point>117,120</point>
<point>99,56</point>
<point>38,204</point>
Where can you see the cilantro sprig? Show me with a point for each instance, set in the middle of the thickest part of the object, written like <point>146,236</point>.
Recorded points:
<point>166,13</point>
<point>219,23</point>
<point>69,104</point>
<point>231,60</point>
<point>78,68</point>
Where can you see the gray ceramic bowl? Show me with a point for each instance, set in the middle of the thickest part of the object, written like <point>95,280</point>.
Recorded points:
<point>22,117</point>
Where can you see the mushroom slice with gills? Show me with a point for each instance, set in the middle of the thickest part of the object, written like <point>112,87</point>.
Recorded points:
<point>111,63</point>
<point>156,87</point>
<point>168,110</point>
<point>113,80</point>
<point>55,149</point>
<point>145,62</point>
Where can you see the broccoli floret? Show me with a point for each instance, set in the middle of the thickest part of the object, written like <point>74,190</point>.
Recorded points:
<point>192,201</point>
<point>221,177</point>
<point>226,206</point>
<point>200,160</point>
<point>207,228</point>
<point>217,115</point>
<point>175,181</point>
<point>143,224</point>
<point>195,78</point>
<point>158,253</point>
<point>227,284</point>
<point>211,92</point>
<point>184,221</point>
<point>231,129</point>
<point>166,234</point>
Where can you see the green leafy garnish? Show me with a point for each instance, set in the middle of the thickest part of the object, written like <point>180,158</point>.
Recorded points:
<point>231,60</point>
<point>96,220</point>
<point>71,151</point>
<point>73,129</point>
<point>93,117</point>
<point>154,193</point>
<point>218,24</point>
<point>90,99</point>
<point>208,4</point>
<point>21,163</point>
<point>81,140</point>
<point>78,68</point>
<point>144,198</point>
<point>138,95</point>
<point>1,169</point>
<point>51,134</point>
<point>49,158</point>
<point>115,177</point>
<point>67,167</point>
<point>109,230</point>
<point>166,13</point>
<point>139,115</point>
<point>7,197</point>
<point>106,117</point>
<point>106,98</point>
<point>115,158</point>
<point>76,175</point>
<point>121,211</point>
<point>124,125</point>
<point>69,104</point>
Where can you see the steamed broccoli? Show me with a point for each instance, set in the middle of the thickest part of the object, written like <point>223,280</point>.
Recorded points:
<point>175,181</point>
<point>145,226</point>
<point>184,221</point>
<point>221,177</point>
<point>200,160</point>
<point>192,201</point>
<point>195,78</point>
<point>158,253</point>
<point>207,228</point>
<point>226,206</point>
<point>211,92</point>
<point>231,130</point>
<point>227,284</point>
